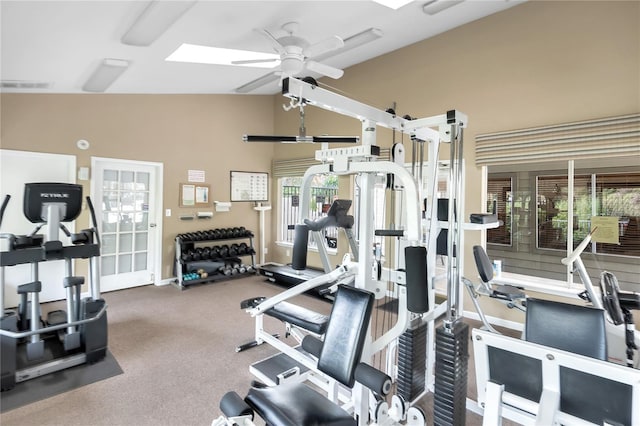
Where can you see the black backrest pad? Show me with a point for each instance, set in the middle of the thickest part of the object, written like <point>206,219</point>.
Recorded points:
<point>483,263</point>
<point>346,333</point>
<point>572,328</point>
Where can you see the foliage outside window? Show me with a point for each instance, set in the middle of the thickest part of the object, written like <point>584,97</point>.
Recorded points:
<point>324,189</point>
<point>613,194</point>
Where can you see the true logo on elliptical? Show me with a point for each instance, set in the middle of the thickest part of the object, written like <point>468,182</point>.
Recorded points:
<point>54,195</point>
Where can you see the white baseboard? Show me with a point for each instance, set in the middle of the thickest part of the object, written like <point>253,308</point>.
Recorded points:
<point>513,325</point>
<point>166,281</point>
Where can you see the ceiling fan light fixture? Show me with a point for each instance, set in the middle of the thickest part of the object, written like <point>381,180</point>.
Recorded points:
<point>107,72</point>
<point>436,6</point>
<point>198,54</point>
<point>154,21</point>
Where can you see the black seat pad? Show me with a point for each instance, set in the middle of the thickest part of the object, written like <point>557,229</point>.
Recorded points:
<point>295,404</point>
<point>299,316</point>
<point>507,292</point>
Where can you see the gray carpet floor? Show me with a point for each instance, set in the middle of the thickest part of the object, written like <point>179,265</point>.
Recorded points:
<point>177,351</point>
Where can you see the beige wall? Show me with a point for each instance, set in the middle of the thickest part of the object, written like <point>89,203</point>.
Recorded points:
<point>538,63</point>
<point>183,132</point>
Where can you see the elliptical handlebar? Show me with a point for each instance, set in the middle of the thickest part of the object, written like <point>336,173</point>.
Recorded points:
<point>4,206</point>
<point>93,219</point>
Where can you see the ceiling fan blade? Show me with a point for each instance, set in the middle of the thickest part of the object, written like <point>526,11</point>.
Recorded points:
<point>253,61</point>
<point>323,46</point>
<point>274,41</point>
<point>258,82</point>
<point>323,69</point>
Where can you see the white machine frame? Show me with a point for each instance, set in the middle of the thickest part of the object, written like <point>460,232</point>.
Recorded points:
<point>361,160</point>
<point>494,402</point>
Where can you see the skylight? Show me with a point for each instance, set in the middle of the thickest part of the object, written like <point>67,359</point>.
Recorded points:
<point>218,56</point>
<point>393,4</point>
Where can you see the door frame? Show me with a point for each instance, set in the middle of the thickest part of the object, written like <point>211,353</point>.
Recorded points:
<point>156,250</point>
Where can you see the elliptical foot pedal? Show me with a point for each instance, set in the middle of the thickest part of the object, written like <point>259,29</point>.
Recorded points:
<point>56,317</point>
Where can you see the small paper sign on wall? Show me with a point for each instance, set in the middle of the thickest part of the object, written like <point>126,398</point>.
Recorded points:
<point>194,195</point>
<point>606,228</point>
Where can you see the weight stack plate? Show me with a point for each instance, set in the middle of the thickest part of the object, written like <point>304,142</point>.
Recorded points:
<point>412,360</point>
<point>452,360</point>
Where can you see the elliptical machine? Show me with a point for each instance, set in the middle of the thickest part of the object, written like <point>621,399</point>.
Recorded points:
<point>33,346</point>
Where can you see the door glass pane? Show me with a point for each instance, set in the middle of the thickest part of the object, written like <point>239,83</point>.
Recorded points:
<point>142,181</point>
<point>141,241</point>
<point>126,241</point>
<point>110,179</point>
<point>108,265</point>
<point>127,202</point>
<point>142,221</point>
<point>126,180</point>
<point>110,201</point>
<point>109,222</point>
<point>142,201</point>
<point>108,244</point>
<point>126,222</point>
<point>124,263</point>
<point>140,261</point>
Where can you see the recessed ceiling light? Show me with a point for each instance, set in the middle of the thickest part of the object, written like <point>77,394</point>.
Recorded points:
<point>218,56</point>
<point>393,4</point>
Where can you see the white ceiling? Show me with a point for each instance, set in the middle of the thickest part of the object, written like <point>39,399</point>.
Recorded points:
<point>60,43</point>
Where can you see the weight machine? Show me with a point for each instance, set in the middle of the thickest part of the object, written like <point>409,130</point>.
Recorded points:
<point>65,339</point>
<point>414,275</point>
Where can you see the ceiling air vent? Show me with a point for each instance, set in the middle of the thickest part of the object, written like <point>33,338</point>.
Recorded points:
<point>24,84</point>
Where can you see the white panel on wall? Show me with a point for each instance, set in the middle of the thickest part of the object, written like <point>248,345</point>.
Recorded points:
<point>16,169</point>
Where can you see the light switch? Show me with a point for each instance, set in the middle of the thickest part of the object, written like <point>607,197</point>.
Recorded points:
<point>167,212</point>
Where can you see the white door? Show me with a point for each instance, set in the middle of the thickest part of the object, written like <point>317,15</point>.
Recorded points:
<point>126,197</point>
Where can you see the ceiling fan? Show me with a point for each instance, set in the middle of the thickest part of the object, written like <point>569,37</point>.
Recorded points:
<point>296,53</point>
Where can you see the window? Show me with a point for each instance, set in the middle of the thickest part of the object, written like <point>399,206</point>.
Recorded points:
<point>598,194</point>
<point>500,200</point>
<point>324,189</point>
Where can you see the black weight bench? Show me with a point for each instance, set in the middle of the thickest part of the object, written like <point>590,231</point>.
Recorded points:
<point>339,357</point>
<point>291,315</point>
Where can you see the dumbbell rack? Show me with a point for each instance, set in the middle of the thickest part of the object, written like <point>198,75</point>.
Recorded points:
<point>210,248</point>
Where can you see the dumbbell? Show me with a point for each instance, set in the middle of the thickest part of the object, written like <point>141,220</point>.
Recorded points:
<point>224,270</point>
<point>233,250</point>
<point>186,257</point>
<point>243,248</point>
<point>224,251</point>
<point>206,253</point>
<point>215,252</point>
<point>196,254</point>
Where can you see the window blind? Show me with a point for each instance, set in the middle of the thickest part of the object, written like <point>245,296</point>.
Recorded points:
<point>606,137</point>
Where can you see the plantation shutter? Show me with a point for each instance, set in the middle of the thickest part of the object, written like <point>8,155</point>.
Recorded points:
<point>606,137</point>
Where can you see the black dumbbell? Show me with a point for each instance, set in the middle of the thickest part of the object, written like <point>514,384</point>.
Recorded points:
<point>233,250</point>
<point>186,257</point>
<point>224,251</point>
<point>206,253</point>
<point>215,252</point>
<point>243,248</point>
